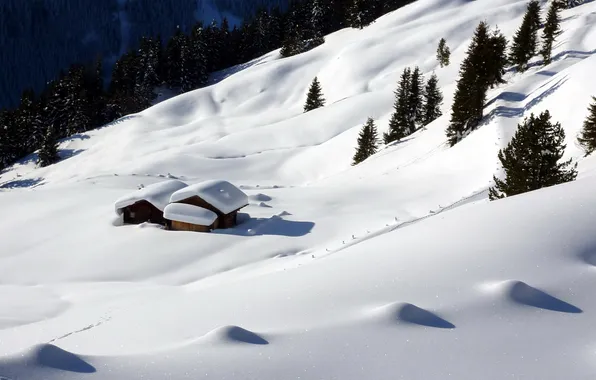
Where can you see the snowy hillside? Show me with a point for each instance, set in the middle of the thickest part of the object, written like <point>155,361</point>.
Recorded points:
<point>396,268</point>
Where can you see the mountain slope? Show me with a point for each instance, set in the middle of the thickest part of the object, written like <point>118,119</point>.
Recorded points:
<point>398,267</point>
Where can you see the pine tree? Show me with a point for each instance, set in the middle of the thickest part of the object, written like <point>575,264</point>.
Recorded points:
<point>498,58</point>
<point>415,100</point>
<point>399,123</point>
<point>550,32</point>
<point>367,142</point>
<point>48,153</point>
<point>432,100</point>
<point>443,53</point>
<point>525,41</point>
<point>531,159</point>
<point>470,92</point>
<point>26,123</point>
<point>198,56</point>
<point>361,14</point>
<point>314,99</point>
<point>587,137</point>
<point>292,43</point>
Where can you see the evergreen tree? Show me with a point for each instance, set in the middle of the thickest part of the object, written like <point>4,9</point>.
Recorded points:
<point>367,142</point>
<point>48,153</point>
<point>174,59</point>
<point>443,53</point>
<point>470,92</point>
<point>198,57</point>
<point>26,123</point>
<point>292,43</point>
<point>525,41</point>
<point>76,103</point>
<point>314,99</point>
<point>415,100</point>
<point>213,39</point>
<point>147,75</point>
<point>432,100</point>
<point>550,32</point>
<point>94,87</point>
<point>587,137</point>
<point>399,122</point>
<point>498,58</point>
<point>531,159</point>
<point>9,139</point>
<point>361,13</point>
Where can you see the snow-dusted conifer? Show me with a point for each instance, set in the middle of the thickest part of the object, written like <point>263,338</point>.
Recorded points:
<point>433,98</point>
<point>367,142</point>
<point>531,159</point>
<point>398,124</point>
<point>314,99</point>
<point>550,32</point>
<point>587,137</point>
<point>443,53</point>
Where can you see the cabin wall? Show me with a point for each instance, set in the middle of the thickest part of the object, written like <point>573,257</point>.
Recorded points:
<point>141,212</point>
<point>229,220</point>
<point>181,226</point>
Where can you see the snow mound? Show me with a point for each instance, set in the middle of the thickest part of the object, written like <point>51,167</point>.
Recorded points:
<point>589,257</point>
<point>181,212</point>
<point>50,356</point>
<point>158,194</point>
<point>259,198</point>
<point>523,294</point>
<point>220,194</point>
<point>235,334</point>
<point>407,313</point>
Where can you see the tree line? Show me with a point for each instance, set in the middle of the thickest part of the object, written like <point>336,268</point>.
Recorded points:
<point>78,100</point>
<point>532,159</point>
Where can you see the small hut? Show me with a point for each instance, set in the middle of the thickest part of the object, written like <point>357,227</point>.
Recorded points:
<point>185,217</point>
<point>220,197</point>
<point>148,203</point>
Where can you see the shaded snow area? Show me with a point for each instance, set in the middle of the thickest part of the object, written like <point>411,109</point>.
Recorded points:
<point>398,268</point>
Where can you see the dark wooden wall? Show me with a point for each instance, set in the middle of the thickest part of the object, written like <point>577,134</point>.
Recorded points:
<point>181,226</point>
<point>141,212</point>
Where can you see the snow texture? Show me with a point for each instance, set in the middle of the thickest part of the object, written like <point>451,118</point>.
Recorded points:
<point>158,194</point>
<point>220,194</point>
<point>181,212</point>
<point>397,268</point>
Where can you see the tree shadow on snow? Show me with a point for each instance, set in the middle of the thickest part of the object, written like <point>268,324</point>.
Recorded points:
<point>507,111</point>
<point>21,183</point>
<point>557,57</point>
<point>275,226</point>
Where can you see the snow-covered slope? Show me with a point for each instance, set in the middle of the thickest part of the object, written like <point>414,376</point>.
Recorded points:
<point>396,268</point>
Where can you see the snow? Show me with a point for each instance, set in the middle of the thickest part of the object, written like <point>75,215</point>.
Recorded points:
<point>158,194</point>
<point>395,268</point>
<point>218,193</point>
<point>181,212</point>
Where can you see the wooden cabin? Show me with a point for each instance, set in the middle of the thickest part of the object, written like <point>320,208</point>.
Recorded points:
<point>142,211</point>
<point>220,197</point>
<point>186,217</point>
<point>147,203</point>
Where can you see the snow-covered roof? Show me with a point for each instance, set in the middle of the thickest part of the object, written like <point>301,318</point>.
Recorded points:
<point>220,194</point>
<point>182,212</point>
<point>158,194</point>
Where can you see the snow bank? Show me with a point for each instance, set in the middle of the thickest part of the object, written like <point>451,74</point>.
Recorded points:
<point>181,212</point>
<point>158,194</point>
<point>220,194</point>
